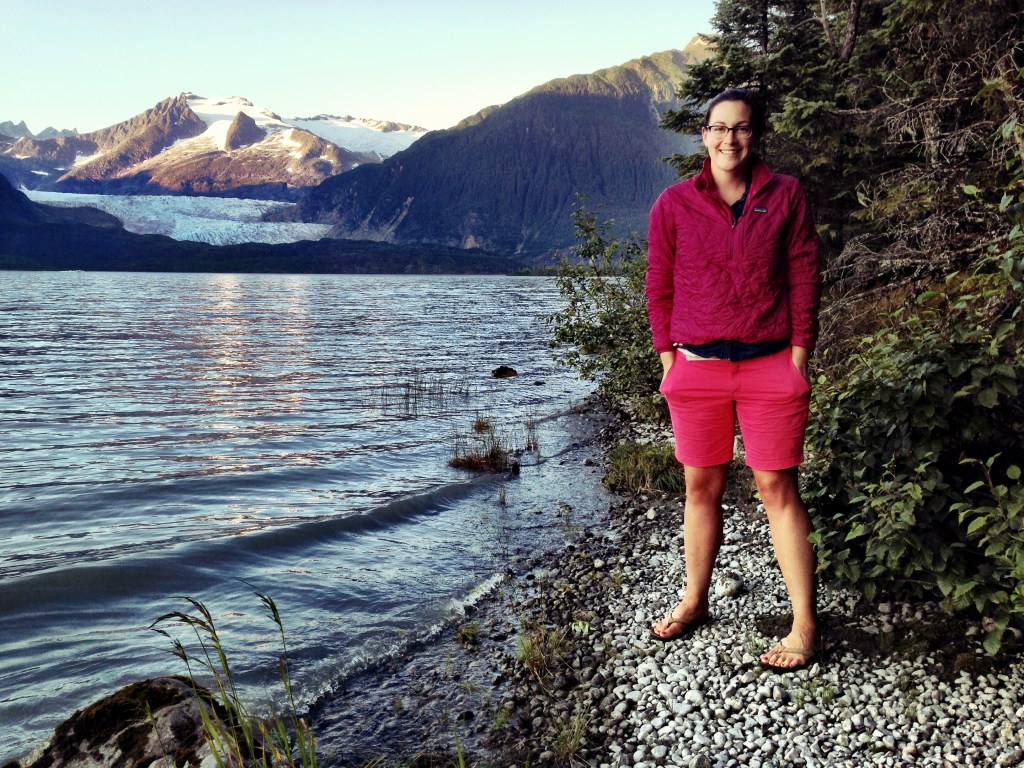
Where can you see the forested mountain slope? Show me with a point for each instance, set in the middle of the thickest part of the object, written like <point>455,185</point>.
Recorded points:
<point>508,179</point>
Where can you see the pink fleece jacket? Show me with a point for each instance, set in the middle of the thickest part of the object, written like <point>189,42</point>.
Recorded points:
<point>709,279</point>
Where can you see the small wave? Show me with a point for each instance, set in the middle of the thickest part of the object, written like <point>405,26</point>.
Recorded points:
<point>185,566</point>
<point>398,647</point>
<point>459,605</point>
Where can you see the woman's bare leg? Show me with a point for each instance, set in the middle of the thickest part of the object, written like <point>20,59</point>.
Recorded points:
<point>702,538</point>
<point>790,527</point>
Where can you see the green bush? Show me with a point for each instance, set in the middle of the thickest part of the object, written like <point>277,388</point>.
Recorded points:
<point>603,329</point>
<point>915,449</point>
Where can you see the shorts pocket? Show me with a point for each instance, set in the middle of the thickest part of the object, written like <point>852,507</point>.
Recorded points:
<point>803,385</point>
<point>668,383</point>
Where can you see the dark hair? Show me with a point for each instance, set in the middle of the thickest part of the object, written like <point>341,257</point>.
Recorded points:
<point>752,99</point>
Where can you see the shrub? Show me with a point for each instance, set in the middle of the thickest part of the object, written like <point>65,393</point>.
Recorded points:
<point>915,449</point>
<point>603,328</point>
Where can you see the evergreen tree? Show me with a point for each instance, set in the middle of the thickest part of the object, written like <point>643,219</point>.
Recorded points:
<point>790,52</point>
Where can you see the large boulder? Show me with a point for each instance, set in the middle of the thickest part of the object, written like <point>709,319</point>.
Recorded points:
<point>149,724</point>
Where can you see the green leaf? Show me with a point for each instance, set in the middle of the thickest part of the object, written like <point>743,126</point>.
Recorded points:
<point>988,398</point>
<point>993,642</point>
<point>1013,472</point>
<point>870,589</point>
<point>970,189</point>
<point>976,525</point>
<point>963,589</point>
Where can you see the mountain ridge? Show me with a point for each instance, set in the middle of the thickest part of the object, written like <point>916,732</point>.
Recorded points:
<point>503,181</point>
<point>17,130</point>
<point>508,178</point>
<point>180,146</point>
<point>39,237</point>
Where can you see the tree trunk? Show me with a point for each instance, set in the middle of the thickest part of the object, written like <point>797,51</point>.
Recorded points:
<point>852,22</point>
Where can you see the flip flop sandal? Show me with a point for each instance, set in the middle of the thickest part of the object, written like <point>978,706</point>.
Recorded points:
<point>809,655</point>
<point>688,628</point>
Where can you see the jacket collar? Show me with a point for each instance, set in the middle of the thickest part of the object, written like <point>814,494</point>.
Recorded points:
<point>760,174</point>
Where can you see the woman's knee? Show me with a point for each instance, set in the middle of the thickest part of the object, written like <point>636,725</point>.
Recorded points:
<point>706,485</point>
<point>778,488</point>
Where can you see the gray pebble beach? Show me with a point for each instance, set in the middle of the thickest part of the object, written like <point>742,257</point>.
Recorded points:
<point>899,684</point>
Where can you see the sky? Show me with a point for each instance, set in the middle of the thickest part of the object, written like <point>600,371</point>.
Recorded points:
<point>88,64</point>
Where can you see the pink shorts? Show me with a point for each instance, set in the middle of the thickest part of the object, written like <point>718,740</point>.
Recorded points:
<point>768,395</point>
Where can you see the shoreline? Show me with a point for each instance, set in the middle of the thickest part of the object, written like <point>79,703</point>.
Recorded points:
<point>899,684</point>
<point>555,666</point>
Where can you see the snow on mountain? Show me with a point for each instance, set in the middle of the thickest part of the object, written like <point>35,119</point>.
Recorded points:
<point>86,159</point>
<point>215,220</point>
<point>360,135</point>
<point>354,134</point>
<point>218,114</point>
<point>192,145</point>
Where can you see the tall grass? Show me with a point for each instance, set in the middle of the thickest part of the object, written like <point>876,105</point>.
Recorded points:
<point>423,394</point>
<point>485,451</point>
<point>488,449</point>
<point>540,650</point>
<point>236,737</point>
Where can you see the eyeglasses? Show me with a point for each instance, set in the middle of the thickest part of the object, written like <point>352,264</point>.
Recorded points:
<point>719,131</point>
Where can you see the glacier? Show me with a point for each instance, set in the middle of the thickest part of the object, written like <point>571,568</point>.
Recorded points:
<point>214,220</point>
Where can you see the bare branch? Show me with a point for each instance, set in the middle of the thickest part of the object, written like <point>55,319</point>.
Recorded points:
<point>828,29</point>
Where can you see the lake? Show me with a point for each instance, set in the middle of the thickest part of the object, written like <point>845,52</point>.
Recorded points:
<point>168,435</point>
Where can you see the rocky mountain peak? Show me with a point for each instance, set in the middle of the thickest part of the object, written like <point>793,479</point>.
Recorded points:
<point>21,130</point>
<point>243,132</point>
<point>15,130</point>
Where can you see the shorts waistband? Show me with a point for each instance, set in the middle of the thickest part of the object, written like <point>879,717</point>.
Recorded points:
<point>734,351</point>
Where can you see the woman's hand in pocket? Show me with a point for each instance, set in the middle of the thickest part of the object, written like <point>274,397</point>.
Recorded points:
<point>667,358</point>
<point>800,357</point>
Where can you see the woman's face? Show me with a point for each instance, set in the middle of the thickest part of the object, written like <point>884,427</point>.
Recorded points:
<point>729,153</point>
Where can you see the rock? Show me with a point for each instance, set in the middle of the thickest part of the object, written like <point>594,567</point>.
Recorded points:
<point>119,730</point>
<point>504,372</point>
<point>695,698</point>
<point>243,132</point>
<point>728,585</point>
<point>1013,758</point>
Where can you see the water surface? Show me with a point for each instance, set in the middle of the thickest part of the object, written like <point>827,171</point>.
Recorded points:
<point>208,435</point>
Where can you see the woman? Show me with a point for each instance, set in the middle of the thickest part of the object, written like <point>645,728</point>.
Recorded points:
<point>733,285</point>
